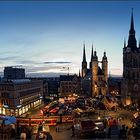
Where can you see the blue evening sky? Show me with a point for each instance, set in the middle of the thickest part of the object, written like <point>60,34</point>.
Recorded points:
<point>34,32</point>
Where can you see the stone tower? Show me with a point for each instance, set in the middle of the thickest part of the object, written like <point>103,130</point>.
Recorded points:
<point>105,72</point>
<point>130,86</point>
<point>105,66</point>
<point>94,74</point>
<point>84,62</point>
<point>95,78</point>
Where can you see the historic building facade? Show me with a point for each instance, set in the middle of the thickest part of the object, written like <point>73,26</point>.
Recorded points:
<point>130,85</point>
<point>70,85</point>
<point>96,76</point>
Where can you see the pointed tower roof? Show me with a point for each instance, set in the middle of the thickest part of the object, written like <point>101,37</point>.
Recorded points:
<point>79,73</point>
<point>95,56</point>
<point>95,53</point>
<point>104,56</point>
<point>132,43</point>
<point>124,43</point>
<point>132,31</point>
<point>92,53</point>
<point>90,64</point>
<point>84,53</point>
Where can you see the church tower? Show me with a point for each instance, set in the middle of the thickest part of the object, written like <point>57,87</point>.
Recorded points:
<point>84,63</point>
<point>90,64</point>
<point>105,66</point>
<point>94,78</point>
<point>130,86</point>
<point>94,71</point>
<point>105,73</point>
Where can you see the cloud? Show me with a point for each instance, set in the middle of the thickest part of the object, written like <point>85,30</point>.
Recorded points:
<point>27,62</point>
<point>46,68</point>
<point>49,74</point>
<point>41,68</point>
<point>8,58</point>
<point>58,62</point>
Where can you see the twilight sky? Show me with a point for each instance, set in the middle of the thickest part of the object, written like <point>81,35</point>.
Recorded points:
<point>32,33</point>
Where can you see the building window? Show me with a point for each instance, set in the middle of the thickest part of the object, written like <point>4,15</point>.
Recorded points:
<point>137,75</point>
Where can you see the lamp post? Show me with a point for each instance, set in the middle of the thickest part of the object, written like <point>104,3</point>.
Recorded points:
<point>60,118</point>
<point>99,115</point>
<point>29,122</point>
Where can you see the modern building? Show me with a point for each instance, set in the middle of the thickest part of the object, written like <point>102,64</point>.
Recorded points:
<point>130,85</point>
<point>45,88</point>
<point>96,76</point>
<point>14,73</point>
<point>20,96</point>
<point>70,85</point>
<point>53,86</point>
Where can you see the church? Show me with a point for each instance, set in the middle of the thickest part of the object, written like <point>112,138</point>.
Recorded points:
<point>130,86</point>
<point>95,75</point>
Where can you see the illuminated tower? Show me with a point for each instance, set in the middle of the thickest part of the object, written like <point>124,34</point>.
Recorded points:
<point>94,82</point>
<point>105,66</point>
<point>84,63</point>
<point>130,86</point>
<point>105,73</point>
<point>90,64</point>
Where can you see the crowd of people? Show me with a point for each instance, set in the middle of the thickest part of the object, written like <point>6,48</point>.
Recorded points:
<point>112,129</point>
<point>43,134</point>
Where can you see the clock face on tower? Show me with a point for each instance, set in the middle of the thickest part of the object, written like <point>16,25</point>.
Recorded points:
<point>128,49</point>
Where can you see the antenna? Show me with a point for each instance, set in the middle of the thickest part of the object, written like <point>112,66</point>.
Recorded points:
<point>68,70</point>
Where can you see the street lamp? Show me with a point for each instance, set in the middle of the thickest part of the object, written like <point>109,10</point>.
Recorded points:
<point>99,118</point>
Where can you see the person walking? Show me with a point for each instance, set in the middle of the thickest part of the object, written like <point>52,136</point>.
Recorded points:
<point>109,132</point>
<point>57,128</point>
<point>130,136</point>
<point>40,127</point>
<point>49,136</point>
<point>73,131</point>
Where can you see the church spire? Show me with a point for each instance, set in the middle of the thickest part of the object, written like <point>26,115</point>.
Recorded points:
<point>132,31</point>
<point>84,53</point>
<point>79,73</point>
<point>124,43</point>
<point>84,62</point>
<point>92,53</point>
<point>132,43</point>
<point>90,64</point>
